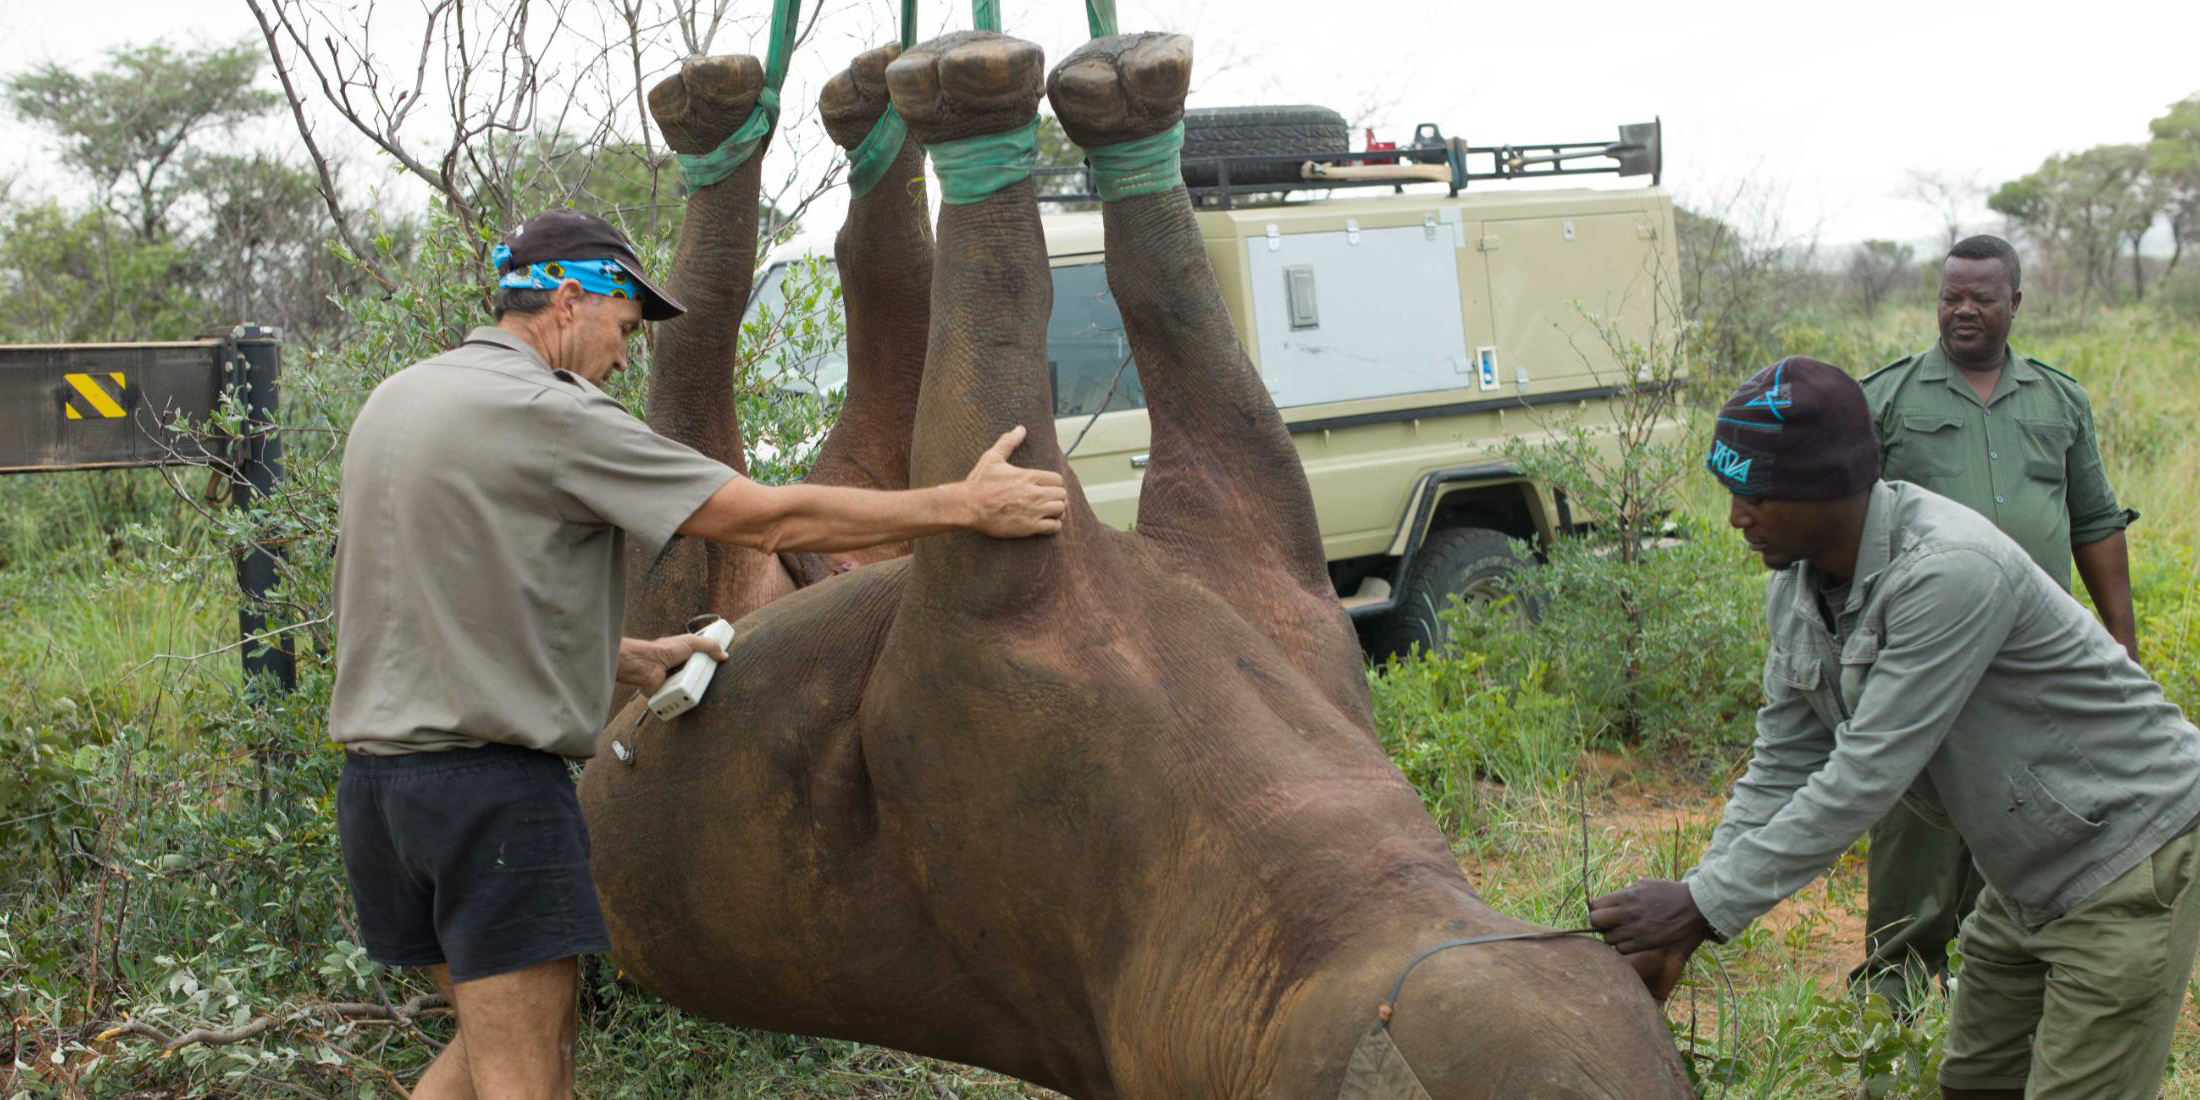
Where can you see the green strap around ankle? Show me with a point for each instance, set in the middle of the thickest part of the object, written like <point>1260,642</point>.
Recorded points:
<point>705,169</point>
<point>698,172</point>
<point>869,160</point>
<point>1146,166</point>
<point>972,168</point>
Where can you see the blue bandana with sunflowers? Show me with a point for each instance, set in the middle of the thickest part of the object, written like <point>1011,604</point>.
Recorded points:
<point>603,277</point>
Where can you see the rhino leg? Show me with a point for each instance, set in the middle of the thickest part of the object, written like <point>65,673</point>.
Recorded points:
<point>691,377</point>
<point>1224,498</point>
<point>884,256</point>
<point>986,359</point>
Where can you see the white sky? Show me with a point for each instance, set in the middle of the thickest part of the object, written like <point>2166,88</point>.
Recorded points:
<point>1819,107</point>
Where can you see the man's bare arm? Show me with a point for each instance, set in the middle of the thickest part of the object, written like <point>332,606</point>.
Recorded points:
<point>997,499</point>
<point>2105,567</point>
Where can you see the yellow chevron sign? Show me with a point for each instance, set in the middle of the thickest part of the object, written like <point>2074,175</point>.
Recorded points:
<point>94,395</point>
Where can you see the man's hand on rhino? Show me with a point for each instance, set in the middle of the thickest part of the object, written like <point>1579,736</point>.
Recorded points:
<point>1655,924</point>
<point>645,664</point>
<point>1012,501</point>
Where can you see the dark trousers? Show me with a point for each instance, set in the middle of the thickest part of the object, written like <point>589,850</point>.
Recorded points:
<point>1922,884</point>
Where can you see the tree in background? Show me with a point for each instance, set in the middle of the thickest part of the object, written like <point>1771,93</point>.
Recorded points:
<point>503,107</point>
<point>1950,195</point>
<point>179,232</point>
<point>125,127</point>
<point>259,243</point>
<point>1877,268</point>
<point>2080,208</point>
<point>2174,160</point>
<point>79,274</point>
<point>2146,195</point>
<point>1742,276</point>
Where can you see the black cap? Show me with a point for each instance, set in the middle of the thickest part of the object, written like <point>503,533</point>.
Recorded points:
<point>572,235</point>
<point>1799,429</point>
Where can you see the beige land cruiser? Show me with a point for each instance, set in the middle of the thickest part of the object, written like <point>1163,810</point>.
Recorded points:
<point>1405,332</point>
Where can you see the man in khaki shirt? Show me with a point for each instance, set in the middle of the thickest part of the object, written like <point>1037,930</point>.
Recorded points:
<point>2012,439</point>
<point>487,496</point>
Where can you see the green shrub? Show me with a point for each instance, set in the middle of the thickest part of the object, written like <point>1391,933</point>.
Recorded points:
<point>1450,720</point>
<point>1667,651</point>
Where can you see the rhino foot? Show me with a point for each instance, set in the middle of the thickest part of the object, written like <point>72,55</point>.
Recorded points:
<point>1122,87</point>
<point>709,98</point>
<point>966,84</point>
<point>856,96</point>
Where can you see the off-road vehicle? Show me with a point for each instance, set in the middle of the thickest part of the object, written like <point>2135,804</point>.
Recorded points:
<point>1405,325</point>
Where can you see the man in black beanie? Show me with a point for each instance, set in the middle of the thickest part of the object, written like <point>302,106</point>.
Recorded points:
<point>1918,654</point>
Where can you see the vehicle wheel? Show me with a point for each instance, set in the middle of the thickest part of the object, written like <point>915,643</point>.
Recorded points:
<point>1304,132</point>
<point>1474,563</point>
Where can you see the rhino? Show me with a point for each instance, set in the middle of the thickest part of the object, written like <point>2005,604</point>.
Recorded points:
<point>1104,810</point>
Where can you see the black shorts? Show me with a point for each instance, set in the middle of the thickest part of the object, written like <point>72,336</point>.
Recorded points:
<point>473,857</point>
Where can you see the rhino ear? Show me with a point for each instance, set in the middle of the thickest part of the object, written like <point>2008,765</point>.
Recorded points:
<point>1378,1071</point>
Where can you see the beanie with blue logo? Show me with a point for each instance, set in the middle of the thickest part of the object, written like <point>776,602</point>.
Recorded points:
<point>1797,430</point>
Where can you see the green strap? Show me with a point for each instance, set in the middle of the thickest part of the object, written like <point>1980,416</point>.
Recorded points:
<point>972,168</point>
<point>786,17</point>
<point>1100,16</point>
<point>985,15</point>
<point>869,160</point>
<point>701,171</point>
<point>1145,166</point>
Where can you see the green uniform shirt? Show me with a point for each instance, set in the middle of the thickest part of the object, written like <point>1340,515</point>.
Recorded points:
<point>1958,679</point>
<point>2026,460</point>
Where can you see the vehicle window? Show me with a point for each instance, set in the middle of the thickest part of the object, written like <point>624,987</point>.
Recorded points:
<point>1086,346</point>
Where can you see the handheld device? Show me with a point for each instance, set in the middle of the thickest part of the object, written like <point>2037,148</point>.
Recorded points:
<point>683,689</point>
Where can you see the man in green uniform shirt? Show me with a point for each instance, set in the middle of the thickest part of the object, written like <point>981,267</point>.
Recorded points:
<point>2012,439</point>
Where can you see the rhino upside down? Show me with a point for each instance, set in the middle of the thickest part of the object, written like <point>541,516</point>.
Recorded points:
<point>1103,810</point>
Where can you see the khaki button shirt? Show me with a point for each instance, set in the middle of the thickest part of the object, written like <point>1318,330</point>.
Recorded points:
<point>1960,681</point>
<point>480,565</point>
<point>2027,459</point>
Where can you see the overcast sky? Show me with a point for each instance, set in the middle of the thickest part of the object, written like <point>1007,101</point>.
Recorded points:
<point>1819,107</point>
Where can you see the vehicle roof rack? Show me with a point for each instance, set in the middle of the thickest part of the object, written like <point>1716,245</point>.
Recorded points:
<point>1638,152</point>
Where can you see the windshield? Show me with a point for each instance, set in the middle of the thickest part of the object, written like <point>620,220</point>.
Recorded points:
<point>794,314</point>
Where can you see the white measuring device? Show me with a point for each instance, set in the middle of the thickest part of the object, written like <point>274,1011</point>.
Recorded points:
<point>683,689</point>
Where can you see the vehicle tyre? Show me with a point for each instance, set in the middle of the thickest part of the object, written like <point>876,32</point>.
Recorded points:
<point>1302,132</point>
<point>1474,563</point>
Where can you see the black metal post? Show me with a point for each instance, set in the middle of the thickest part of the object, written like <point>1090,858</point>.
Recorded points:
<point>256,369</point>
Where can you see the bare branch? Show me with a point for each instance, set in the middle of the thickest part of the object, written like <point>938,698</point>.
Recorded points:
<point>425,1004</point>
<point>263,636</point>
<point>313,149</point>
